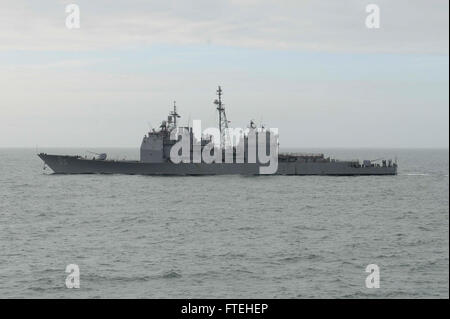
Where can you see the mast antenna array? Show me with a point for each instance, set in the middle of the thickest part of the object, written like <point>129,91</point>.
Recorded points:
<point>223,122</point>
<point>174,114</point>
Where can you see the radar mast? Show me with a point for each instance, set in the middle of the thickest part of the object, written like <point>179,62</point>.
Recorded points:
<point>174,114</point>
<point>223,122</point>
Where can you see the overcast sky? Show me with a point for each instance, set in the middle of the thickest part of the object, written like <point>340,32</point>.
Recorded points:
<point>310,68</point>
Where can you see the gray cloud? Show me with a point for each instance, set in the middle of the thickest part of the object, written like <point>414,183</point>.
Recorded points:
<point>326,25</point>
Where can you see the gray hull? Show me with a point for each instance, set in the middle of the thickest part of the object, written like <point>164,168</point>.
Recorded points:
<point>62,164</point>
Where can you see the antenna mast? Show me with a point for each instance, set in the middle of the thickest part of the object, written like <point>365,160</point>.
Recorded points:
<point>223,122</point>
<point>174,114</point>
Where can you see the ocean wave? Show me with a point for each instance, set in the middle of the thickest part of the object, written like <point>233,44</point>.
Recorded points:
<point>294,259</point>
<point>171,274</point>
<point>312,228</point>
<point>246,228</point>
<point>101,278</point>
<point>233,255</point>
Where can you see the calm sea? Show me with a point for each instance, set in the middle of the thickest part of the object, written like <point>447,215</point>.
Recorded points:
<point>225,236</point>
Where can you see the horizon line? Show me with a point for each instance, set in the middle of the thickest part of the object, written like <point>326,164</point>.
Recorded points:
<point>284,147</point>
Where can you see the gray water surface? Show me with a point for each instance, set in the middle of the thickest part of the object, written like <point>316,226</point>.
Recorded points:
<point>225,236</point>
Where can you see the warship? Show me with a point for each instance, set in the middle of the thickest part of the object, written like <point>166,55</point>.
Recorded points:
<point>157,155</point>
